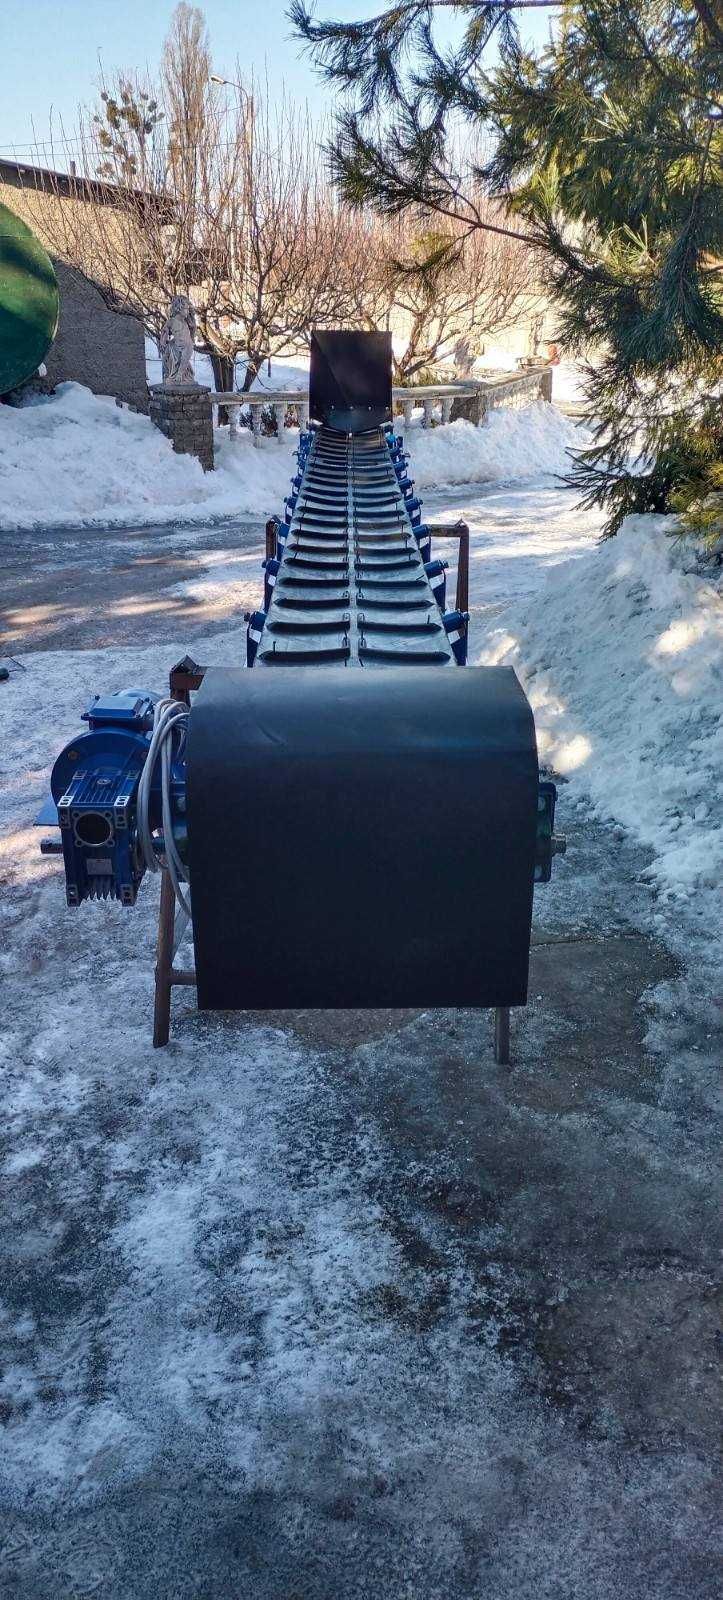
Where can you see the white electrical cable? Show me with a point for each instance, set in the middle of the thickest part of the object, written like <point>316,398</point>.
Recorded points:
<point>170,717</point>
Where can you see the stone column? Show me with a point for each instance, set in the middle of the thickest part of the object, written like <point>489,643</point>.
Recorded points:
<point>473,407</point>
<point>183,413</point>
<point>546,384</point>
<point>255,423</point>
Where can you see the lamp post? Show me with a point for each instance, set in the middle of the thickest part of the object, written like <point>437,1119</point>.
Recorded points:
<point>231,83</point>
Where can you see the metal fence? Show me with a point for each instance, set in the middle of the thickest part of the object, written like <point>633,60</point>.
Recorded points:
<point>475,399</point>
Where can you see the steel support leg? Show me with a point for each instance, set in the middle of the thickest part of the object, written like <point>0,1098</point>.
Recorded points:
<point>502,1035</point>
<point>164,963</point>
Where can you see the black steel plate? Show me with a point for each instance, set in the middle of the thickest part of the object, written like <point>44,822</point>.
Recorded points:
<point>350,379</point>
<point>361,838</point>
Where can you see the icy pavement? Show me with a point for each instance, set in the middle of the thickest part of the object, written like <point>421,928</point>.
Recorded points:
<point>319,1306</point>
<point>518,533</point>
<point>80,588</point>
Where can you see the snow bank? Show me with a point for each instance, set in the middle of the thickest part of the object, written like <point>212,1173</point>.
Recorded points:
<point>528,442</point>
<point>78,458</point>
<point>622,656</point>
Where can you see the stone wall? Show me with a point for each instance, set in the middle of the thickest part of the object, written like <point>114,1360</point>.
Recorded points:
<point>185,416</point>
<point>103,349</point>
<point>472,407</point>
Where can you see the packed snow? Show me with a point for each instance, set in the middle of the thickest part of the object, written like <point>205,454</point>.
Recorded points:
<point>51,475</point>
<point>78,458</point>
<point>530,442</point>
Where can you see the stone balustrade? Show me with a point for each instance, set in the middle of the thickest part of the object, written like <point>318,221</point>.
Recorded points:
<point>184,412</point>
<point>279,400</point>
<point>471,398</point>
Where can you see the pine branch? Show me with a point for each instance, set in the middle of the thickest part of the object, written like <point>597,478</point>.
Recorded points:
<point>707,17</point>
<point>605,158</point>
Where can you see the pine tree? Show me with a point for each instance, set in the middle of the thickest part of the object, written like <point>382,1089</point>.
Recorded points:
<point>607,150</point>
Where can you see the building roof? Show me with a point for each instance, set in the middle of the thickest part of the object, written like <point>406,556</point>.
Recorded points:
<point>28,175</point>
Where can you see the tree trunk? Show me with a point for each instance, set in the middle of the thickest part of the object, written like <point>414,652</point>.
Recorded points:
<point>223,377</point>
<point>253,368</point>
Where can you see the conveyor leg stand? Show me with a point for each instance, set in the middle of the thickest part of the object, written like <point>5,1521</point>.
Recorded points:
<point>164,963</point>
<point>502,1035</point>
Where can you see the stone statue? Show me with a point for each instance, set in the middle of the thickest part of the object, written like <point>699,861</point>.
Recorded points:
<point>177,335</point>
<point>463,358</point>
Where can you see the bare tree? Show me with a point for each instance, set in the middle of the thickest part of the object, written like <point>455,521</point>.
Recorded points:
<point>290,240</point>
<point>208,189</point>
<point>212,189</point>
<point>434,288</point>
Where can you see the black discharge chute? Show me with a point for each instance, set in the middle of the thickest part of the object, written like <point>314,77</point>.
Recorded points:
<point>350,380</point>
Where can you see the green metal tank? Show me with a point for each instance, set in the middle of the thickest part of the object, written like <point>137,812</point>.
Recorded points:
<point>29,301</point>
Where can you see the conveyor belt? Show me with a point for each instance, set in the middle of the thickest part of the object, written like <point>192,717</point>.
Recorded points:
<point>352,585</point>
<point>354,894</point>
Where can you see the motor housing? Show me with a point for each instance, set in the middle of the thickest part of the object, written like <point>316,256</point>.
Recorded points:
<point>94,788</point>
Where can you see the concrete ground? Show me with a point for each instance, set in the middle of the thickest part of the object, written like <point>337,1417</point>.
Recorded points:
<point>324,1306</point>
<point>81,589</point>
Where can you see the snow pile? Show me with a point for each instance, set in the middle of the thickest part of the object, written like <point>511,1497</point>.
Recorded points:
<point>622,657</point>
<point>528,442</point>
<point>78,458</point>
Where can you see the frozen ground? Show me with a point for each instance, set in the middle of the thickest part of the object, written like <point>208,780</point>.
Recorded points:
<point>622,658</point>
<point>322,1306</point>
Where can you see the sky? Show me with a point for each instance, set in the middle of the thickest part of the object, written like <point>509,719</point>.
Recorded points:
<point>52,54</point>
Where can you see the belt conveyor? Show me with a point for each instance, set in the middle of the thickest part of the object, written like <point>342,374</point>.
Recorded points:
<point>347,839</point>
<point>351,586</point>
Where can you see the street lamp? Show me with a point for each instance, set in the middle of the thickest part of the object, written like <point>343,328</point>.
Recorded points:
<point>229,83</point>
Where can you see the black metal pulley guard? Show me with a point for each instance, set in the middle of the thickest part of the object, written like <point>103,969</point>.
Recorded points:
<point>361,838</point>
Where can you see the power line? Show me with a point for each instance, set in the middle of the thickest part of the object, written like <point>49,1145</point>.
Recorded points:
<point>42,144</point>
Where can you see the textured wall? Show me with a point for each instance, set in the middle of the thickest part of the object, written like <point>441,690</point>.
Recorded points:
<point>100,348</point>
<point>103,349</point>
<point>184,414</point>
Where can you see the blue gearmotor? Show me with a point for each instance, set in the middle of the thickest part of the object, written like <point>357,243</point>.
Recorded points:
<point>94,786</point>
